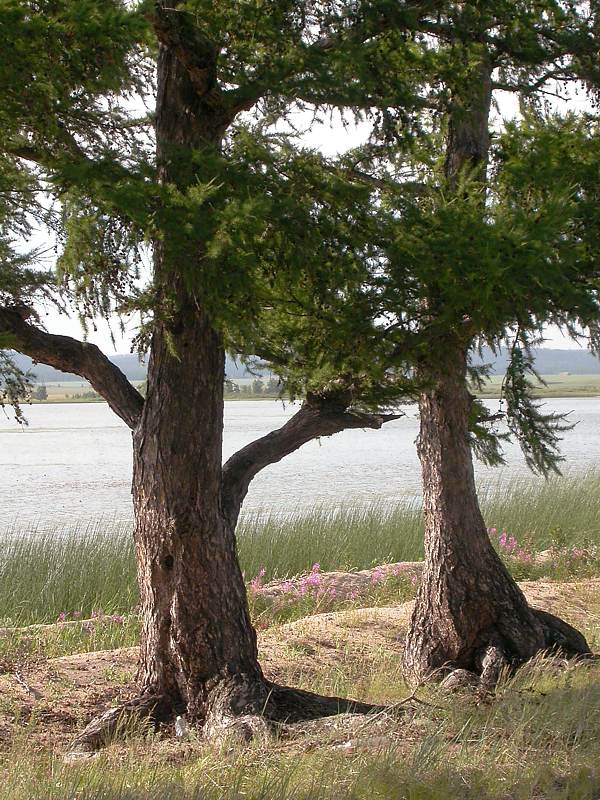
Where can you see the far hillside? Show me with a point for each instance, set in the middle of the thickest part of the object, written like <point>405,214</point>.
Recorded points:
<point>131,364</point>
<point>547,362</point>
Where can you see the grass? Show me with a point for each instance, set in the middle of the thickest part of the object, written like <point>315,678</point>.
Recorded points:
<point>561,385</point>
<point>89,568</point>
<point>537,738</point>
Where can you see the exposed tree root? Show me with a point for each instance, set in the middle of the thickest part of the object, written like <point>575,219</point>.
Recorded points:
<point>291,705</point>
<point>269,708</point>
<point>559,637</point>
<point>236,710</point>
<point>147,709</point>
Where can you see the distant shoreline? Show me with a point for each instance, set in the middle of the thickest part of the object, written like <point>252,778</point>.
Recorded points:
<point>554,389</point>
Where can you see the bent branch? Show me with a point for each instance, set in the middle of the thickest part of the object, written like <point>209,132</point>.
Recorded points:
<point>70,355</point>
<point>318,416</point>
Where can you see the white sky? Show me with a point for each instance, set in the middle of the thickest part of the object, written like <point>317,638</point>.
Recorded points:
<point>331,137</point>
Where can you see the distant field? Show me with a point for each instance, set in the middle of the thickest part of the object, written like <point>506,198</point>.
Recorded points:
<point>72,392</point>
<point>563,385</point>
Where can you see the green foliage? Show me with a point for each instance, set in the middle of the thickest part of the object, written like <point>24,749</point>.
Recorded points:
<point>15,385</point>
<point>538,433</point>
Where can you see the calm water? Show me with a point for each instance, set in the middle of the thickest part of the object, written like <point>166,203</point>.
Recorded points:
<point>74,461</point>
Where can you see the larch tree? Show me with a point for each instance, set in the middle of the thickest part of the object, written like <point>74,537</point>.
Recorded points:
<point>232,224</point>
<point>483,238</point>
<point>504,258</point>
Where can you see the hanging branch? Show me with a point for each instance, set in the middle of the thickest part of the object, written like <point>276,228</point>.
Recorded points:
<point>71,355</point>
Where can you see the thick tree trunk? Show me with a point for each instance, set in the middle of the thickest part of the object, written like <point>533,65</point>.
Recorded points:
<point>197,634</point>
<point>469,613</point>
<point>198,645</point>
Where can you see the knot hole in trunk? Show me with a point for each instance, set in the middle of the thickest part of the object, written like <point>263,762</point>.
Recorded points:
<point>168,562</point>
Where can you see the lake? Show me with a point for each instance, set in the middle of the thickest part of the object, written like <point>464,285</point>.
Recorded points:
<point>73,461</point>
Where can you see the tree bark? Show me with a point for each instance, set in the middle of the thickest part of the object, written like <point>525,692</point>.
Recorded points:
<point>198,650</point>
<point>198,646</point>
<point>196,631</point>
<point>467,602</point>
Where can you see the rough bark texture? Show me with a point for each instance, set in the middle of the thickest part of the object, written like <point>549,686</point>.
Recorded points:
<point>467,603</point>
<point>468,138</point>
<point>81,358</point>
<point>198,644</point>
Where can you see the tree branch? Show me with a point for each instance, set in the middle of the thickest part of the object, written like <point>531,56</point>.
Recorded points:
<point>318,416</point>
<point>70,355</point>
<point>270,79</point>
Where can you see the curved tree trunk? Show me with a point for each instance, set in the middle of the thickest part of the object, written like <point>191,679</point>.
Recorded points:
<point>469,613</point>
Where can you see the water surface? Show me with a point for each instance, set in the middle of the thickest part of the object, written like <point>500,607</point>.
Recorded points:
<point>73,461</point>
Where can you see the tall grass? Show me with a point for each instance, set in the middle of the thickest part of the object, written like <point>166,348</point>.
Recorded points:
<point>84,569</point>
<point>562,510</point>
<point>91,567</point>
<point>351,537</point>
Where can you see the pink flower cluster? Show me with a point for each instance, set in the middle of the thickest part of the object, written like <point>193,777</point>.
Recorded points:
<point>97,614</point>
<point>257,582</point>
<point>315,584</point>
<point>509,546</point>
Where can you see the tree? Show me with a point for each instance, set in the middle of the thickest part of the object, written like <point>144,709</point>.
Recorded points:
<point>207,204</point>
<point>479,240</point>
<point>272,386</point>
<point>40,392</point>
<point>469,612</point>
<point>231,387</point>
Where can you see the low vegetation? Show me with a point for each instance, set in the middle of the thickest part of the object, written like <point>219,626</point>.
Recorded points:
<point>91,567</point>
<point>536,738</point>
<point>64,593</point>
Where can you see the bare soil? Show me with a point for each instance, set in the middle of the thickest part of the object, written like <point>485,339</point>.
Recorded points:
<point>48,701</point>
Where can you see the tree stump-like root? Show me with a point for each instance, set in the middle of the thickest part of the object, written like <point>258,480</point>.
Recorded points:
<point>562,638</point>
<point>237,711</point>
<point>270,711</point>
<point>496,657</point>
<point>119,722</point>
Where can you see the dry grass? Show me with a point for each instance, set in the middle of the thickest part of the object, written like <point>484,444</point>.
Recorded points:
<point>350,653</point>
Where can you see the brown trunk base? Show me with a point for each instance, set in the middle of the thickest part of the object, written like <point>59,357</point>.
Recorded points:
<point>561,637</point>
<point>276,708</point>
<point>146,710</point>
<point>237,709</point>
<point>496,657</point>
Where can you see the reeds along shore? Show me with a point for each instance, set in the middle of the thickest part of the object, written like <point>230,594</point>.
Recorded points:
<point>88,568</point>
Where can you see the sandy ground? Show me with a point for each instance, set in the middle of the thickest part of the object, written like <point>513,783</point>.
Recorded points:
<point>48,701</point>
